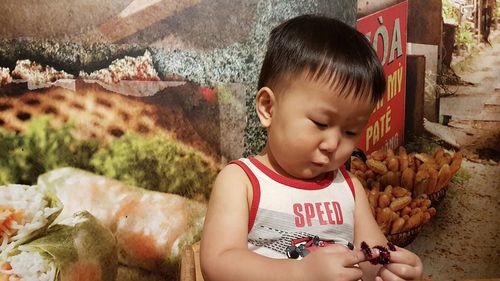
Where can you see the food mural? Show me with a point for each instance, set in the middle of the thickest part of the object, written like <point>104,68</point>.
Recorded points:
<point>105,163</point>
<point>107,153</point>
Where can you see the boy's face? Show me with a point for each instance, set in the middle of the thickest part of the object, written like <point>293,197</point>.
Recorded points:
<point>312,129</point>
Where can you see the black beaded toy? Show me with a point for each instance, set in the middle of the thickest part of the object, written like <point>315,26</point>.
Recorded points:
<point>384,254</point>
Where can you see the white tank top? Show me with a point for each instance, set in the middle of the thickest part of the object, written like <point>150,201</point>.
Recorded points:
<point>285,210</point>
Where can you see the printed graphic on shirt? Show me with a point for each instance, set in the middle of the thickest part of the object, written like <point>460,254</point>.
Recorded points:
<point>283,231</point>
<point>303,246</point>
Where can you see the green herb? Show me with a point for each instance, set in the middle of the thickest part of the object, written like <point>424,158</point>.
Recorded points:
<point>461,176</point>
<point>40,149</point>
<point>157,163</point>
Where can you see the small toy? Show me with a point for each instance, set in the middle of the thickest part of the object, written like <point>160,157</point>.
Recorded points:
<point>301,247</point>
<point>384,254</point>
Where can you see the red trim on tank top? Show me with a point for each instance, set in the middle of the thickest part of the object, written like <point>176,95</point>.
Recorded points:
<point>256,192</point>
<point>348,180</point>
<point>308,185</point>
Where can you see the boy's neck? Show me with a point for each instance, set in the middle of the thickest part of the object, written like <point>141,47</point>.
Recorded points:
<point>267,159</point>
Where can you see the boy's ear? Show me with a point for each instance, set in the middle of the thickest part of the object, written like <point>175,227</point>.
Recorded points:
<point>264,103</point>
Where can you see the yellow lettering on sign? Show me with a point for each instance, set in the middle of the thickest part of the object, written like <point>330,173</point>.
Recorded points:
<point>377,131</point>
<point>394,83</point>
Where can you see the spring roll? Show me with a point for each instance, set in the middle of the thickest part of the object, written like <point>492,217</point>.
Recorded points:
<point>150,227</point>
<point>79,248</point>
<point>25,212</point>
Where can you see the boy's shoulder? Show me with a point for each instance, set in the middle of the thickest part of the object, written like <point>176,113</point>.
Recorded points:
<point>233,170</point>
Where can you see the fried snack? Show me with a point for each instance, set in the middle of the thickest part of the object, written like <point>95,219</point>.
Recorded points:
<point>384,217</point>
<point>370,174</point>
<point>432,211</point>
<point>405,211</point>
<point>360,175</point>
<point>377,166</point>
<point>393,164</point>
<point>373,196</point>
<point>414,221</point>
<point>444,176</point>
<point>400,192</point>
<point>384,200</point>
<point>378,155</point>
<point>427,217</point>
<point>407,179</point>
<point>433,177</point>
<point>397,225</point>
<point>456,162</point>
<point>393,178</point>
<point>412,161</point>
<point>421,182</point>
<point>358,164</point>
<point>398,186</point>
<point>399,203</point>
<point>403,162</point>
<point>388,190</point>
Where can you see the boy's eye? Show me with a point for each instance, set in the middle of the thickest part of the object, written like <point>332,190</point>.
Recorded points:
<point>351,133</point>
<point>319,124</point>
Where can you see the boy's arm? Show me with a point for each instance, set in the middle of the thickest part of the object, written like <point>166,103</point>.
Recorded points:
<point>224,250</point>
<point>366,229</point>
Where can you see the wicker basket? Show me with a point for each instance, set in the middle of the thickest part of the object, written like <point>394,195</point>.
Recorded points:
<point>437,196</point>
<point>404,238</point>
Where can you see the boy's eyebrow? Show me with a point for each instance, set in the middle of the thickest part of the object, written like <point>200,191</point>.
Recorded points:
<point>330,112</point>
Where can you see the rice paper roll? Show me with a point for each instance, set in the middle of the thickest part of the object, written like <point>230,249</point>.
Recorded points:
<point>25,213</point>
<point>150,227</point>
<point>77,249</point>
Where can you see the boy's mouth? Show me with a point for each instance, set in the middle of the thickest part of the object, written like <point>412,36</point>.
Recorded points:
<point>321,162</point>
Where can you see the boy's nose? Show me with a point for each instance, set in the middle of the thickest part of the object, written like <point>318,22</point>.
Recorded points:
<point>330,142</point>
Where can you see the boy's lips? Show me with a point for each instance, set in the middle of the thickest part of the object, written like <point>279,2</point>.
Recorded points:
<point>320,163</point>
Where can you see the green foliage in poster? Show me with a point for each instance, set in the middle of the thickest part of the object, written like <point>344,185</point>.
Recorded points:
<point>40,149</point>
<point>464,38</point>
<point>450,12</point>
<point>156,163</point>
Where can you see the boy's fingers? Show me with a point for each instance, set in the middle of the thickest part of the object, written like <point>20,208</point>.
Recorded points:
<point>335,249</point>
<point>386,274</point>
<point>404,271</point>
<point>358,256</point>
<point>401,255</point>
<point>353,273</point>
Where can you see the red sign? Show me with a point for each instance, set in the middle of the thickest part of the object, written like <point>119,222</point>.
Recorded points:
<point>386,30</point>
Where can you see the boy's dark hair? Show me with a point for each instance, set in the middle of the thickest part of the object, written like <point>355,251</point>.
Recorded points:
<point>324,47</point>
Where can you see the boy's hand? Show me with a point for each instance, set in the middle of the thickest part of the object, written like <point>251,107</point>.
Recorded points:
<point>404,265</point>
<point>334,262</point>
